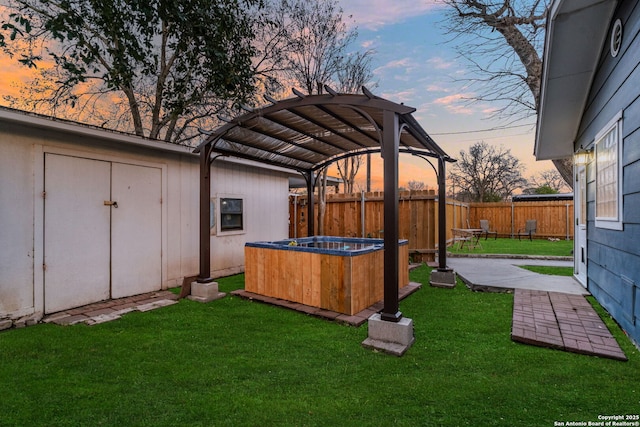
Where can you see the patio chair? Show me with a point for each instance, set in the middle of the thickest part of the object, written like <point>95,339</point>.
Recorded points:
<point>529,229</point>
<point>484,224</point>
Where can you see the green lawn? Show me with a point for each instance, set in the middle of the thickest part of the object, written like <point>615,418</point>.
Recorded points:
<point>518,247</point>
<point>235,362</point>
<point>550,270</point>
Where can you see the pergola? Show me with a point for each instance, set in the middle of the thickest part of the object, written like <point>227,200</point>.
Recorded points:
<point>306,134</point>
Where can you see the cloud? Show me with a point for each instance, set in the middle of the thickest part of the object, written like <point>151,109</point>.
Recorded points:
<point>437,88</point>
<point>440,63</point>
<point>406,64</point>
<point>374,14</point>
<point>369,44</point>
<point>455,103</point>
<point>449,99</point>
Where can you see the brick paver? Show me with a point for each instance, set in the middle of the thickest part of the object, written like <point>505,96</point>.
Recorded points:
<point>106,311</point>
<point>355,320</point>
<point>562,321</point>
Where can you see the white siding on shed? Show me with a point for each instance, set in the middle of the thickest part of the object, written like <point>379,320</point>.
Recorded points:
<point>157,243</point>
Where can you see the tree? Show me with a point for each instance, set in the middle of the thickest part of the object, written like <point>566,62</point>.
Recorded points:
<point>348,168</point>
<point>547,182</point>
<point>416,185</point>
<point>509,75</point>
<point>174,63</point>
<point>317,40</point>
<point>486,174</point>
<point>352,74</point>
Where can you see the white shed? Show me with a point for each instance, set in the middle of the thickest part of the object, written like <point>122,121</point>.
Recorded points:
<point>88,214</point>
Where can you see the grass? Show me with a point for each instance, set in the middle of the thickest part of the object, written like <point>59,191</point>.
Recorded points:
<point>235,362</point>
<point>519,247</point>
<point>549,270</point>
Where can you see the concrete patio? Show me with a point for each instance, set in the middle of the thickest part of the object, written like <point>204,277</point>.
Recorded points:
<point>548,311</point>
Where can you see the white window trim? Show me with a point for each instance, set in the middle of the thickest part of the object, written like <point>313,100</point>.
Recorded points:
<point>219,231</point>
<point>614,123</point>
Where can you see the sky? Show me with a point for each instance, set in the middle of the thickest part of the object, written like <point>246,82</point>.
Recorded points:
<point>414,65</point>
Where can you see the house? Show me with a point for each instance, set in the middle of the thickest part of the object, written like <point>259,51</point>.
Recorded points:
<point>590,109</point>
<point>88,214</point>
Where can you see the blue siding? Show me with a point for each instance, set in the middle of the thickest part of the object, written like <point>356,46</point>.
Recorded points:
<point>613,268</point>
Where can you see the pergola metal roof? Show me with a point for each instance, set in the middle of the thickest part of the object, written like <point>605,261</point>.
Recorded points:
<point>309,132</point>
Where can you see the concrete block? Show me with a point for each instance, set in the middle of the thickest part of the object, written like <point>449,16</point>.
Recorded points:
<point>28,320</point>
<point>443,279</point>
<point>205,292</point>
<point>390,337</point>
<point>5,324</point>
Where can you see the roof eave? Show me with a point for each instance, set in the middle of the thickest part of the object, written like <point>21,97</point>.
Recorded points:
<point>576,32</point>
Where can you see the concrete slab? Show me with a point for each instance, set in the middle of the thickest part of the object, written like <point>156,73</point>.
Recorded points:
<point>504,274</point>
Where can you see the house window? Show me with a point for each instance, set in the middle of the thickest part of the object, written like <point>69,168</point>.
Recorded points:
<point>609,175</point>
<point>231,214</point>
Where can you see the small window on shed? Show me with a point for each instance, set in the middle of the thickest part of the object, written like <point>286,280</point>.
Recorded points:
<point>231,214</point>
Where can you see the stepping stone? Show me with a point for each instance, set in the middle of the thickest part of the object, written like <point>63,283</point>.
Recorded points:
<point>561,321</point>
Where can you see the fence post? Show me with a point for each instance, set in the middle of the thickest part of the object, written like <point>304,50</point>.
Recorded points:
<point>512,220</point>
<point>567,206</point>
<point>362,215</point>
<point>295,216</point>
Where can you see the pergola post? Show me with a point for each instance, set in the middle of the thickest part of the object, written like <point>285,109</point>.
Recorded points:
<point>442,277</point>
<point>442,216</point>
<point>311,184</point>
<point>390,146</point>
<point>389,331</point>
<point>204,289</point>
<point>204,275</point>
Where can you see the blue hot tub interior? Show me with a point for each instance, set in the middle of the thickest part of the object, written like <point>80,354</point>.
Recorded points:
<point>344,246</point>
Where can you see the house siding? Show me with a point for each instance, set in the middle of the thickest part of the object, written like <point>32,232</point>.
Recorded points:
<point>613,270</point>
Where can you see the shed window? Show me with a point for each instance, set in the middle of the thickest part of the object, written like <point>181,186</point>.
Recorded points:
<point>231,214</point>
<point>609,175</point>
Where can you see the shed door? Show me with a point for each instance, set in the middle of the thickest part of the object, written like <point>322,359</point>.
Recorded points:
<point>136,257</point>
<point>94,250</point>
<point>76,224</point>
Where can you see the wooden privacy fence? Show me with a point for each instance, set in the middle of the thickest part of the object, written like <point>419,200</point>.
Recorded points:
<point>554,218</point>
<point>362,215</point>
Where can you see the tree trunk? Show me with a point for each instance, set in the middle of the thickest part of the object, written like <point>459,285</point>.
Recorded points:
<point>322,202</point>
<point>528,56</point>
<point>565,168</point>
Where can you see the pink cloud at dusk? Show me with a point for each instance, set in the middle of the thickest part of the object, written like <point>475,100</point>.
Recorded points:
<point>374,14</point>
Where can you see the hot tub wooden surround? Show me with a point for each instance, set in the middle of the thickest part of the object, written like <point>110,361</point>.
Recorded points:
<point>345,281</point>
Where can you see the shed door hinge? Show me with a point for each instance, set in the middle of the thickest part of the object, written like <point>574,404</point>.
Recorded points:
<point>44,267</point>
<point>44,194</point>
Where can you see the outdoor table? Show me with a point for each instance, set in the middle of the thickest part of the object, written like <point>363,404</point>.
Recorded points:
<point>470,236</point>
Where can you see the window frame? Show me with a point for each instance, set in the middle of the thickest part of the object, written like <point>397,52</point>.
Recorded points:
<point>615,126</point>
<point>221,230</point>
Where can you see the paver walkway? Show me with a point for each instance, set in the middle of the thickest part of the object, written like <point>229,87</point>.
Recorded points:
<point>355,320</point>
<point>106,311</point>
<point>562,321</point>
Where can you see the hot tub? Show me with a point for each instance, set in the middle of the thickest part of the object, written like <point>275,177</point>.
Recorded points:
<point>340,274</point>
